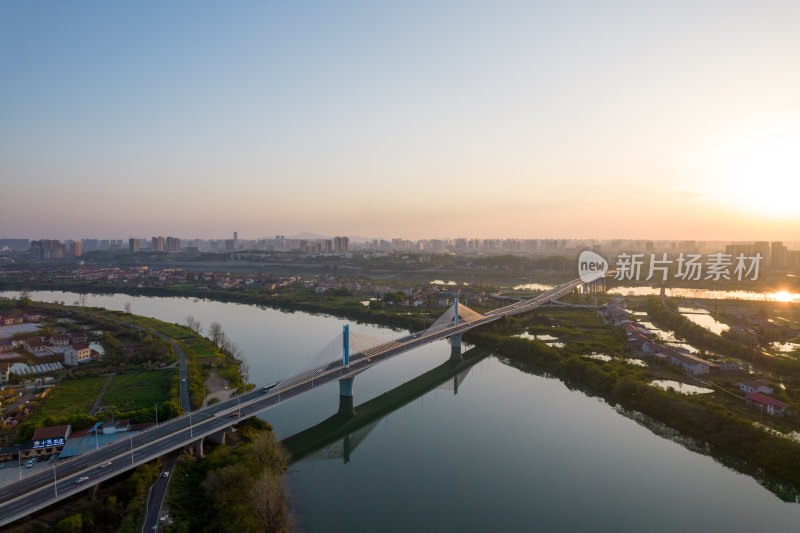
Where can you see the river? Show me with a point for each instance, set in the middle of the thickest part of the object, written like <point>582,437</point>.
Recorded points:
<point>512,451</point>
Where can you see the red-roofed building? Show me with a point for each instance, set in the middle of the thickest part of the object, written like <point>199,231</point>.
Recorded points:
<point>79,353</point>
<point>771,405</point>
<point>79,337</point>
<point>31,316</point>
<point>37,347</point>
<point>59,340</point>
<point>759,385</point>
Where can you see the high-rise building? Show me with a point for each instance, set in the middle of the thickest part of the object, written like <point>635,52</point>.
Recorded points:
<point>48,249</point>
<point>133,245</point>
<point>341,245</point>
<point>158,244</point>
<point>173,244</point>
<point>762,247</point>
<point>777,254</point>
<point>235,240</point>
<point>76,249</point>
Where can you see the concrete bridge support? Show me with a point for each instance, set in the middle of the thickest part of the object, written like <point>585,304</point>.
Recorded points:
<point>218,437</point>
<point>455,347</point>
<point>346,397</point>
<point>198,447</point>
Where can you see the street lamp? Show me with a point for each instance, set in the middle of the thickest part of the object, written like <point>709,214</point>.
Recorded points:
<point>156,415</point>
<point>131,449</point>
<point>55,481</point>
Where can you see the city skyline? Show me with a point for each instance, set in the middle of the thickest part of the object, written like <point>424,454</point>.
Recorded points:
<point>651,121</point>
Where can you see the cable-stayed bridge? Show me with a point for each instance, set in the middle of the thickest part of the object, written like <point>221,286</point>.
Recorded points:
<point>341,360</point>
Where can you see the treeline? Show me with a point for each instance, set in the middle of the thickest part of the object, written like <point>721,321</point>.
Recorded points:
<point>628,385</point>
<point>233,489</point>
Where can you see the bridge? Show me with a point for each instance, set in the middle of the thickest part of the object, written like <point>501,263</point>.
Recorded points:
<point>333,363</point>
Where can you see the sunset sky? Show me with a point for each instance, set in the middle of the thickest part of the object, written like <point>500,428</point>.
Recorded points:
<point>407,119</point>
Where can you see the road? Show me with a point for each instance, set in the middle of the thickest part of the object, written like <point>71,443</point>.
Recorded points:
<point>155,499</point>
<point>38,491</point>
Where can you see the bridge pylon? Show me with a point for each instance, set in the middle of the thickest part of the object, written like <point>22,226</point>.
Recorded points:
<point>346,385</point>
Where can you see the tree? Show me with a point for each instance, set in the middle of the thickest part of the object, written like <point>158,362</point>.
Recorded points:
<point>244,370</point>
<point>193,324</point>
<point>71,524</point>
<point>215,332</point>
<point>82,300</point>
<point>127,308</point>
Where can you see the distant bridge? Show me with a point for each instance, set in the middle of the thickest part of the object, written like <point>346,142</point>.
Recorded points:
<point>333,363</point>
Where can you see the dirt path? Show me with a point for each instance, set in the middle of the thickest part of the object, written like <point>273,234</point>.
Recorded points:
<point>216,387</point>
<point>99,399</point>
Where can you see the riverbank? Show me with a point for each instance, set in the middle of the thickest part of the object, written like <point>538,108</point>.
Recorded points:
<point>629,385</point>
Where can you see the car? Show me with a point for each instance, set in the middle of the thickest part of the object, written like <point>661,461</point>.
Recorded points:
<point>106,464</point>
<point>81,479</point>
<point>165,474</point>
<point>234,415</point>
<point>183,380</point>
<point>30,463</point>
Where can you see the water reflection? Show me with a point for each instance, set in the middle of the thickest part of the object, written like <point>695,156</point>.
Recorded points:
<point>707,294</point>
<point>677,386</point>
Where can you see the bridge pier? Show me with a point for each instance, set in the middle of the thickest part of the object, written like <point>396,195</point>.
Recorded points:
<point>455,347</point>
<point>218,437</point>
<point>198,447</point>
<point>346,397</point>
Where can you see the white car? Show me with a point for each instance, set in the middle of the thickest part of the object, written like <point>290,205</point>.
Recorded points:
<point>81,479</point>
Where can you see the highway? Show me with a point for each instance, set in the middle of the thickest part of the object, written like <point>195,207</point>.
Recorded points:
<point>30,494</point>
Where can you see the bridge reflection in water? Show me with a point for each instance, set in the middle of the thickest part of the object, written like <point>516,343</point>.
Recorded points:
<point>339,435</point>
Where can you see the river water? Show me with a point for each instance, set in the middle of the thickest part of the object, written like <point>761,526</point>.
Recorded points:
<point>512,451</point>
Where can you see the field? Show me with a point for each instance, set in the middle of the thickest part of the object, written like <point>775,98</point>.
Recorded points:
<point>128,392</point>
<point>75,396</point>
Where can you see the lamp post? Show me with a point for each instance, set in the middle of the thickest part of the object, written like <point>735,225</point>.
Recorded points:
<point>131,449</point>
<point>19,459</point>
<point>156,405</point>
<point>55,481</point>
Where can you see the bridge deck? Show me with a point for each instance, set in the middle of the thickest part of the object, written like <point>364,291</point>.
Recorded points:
<point>23,497</point>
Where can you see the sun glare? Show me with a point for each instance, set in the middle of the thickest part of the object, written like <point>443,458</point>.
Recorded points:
<point>759,172</point>
<point>784,296</point>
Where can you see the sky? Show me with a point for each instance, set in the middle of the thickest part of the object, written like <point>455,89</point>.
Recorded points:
<point>657,120</point>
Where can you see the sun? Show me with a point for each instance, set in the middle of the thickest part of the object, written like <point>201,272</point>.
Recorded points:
<point>758,171</point>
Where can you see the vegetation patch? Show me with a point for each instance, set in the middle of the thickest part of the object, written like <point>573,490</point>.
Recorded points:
<point>129,392</point>
<point>234,488</point>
